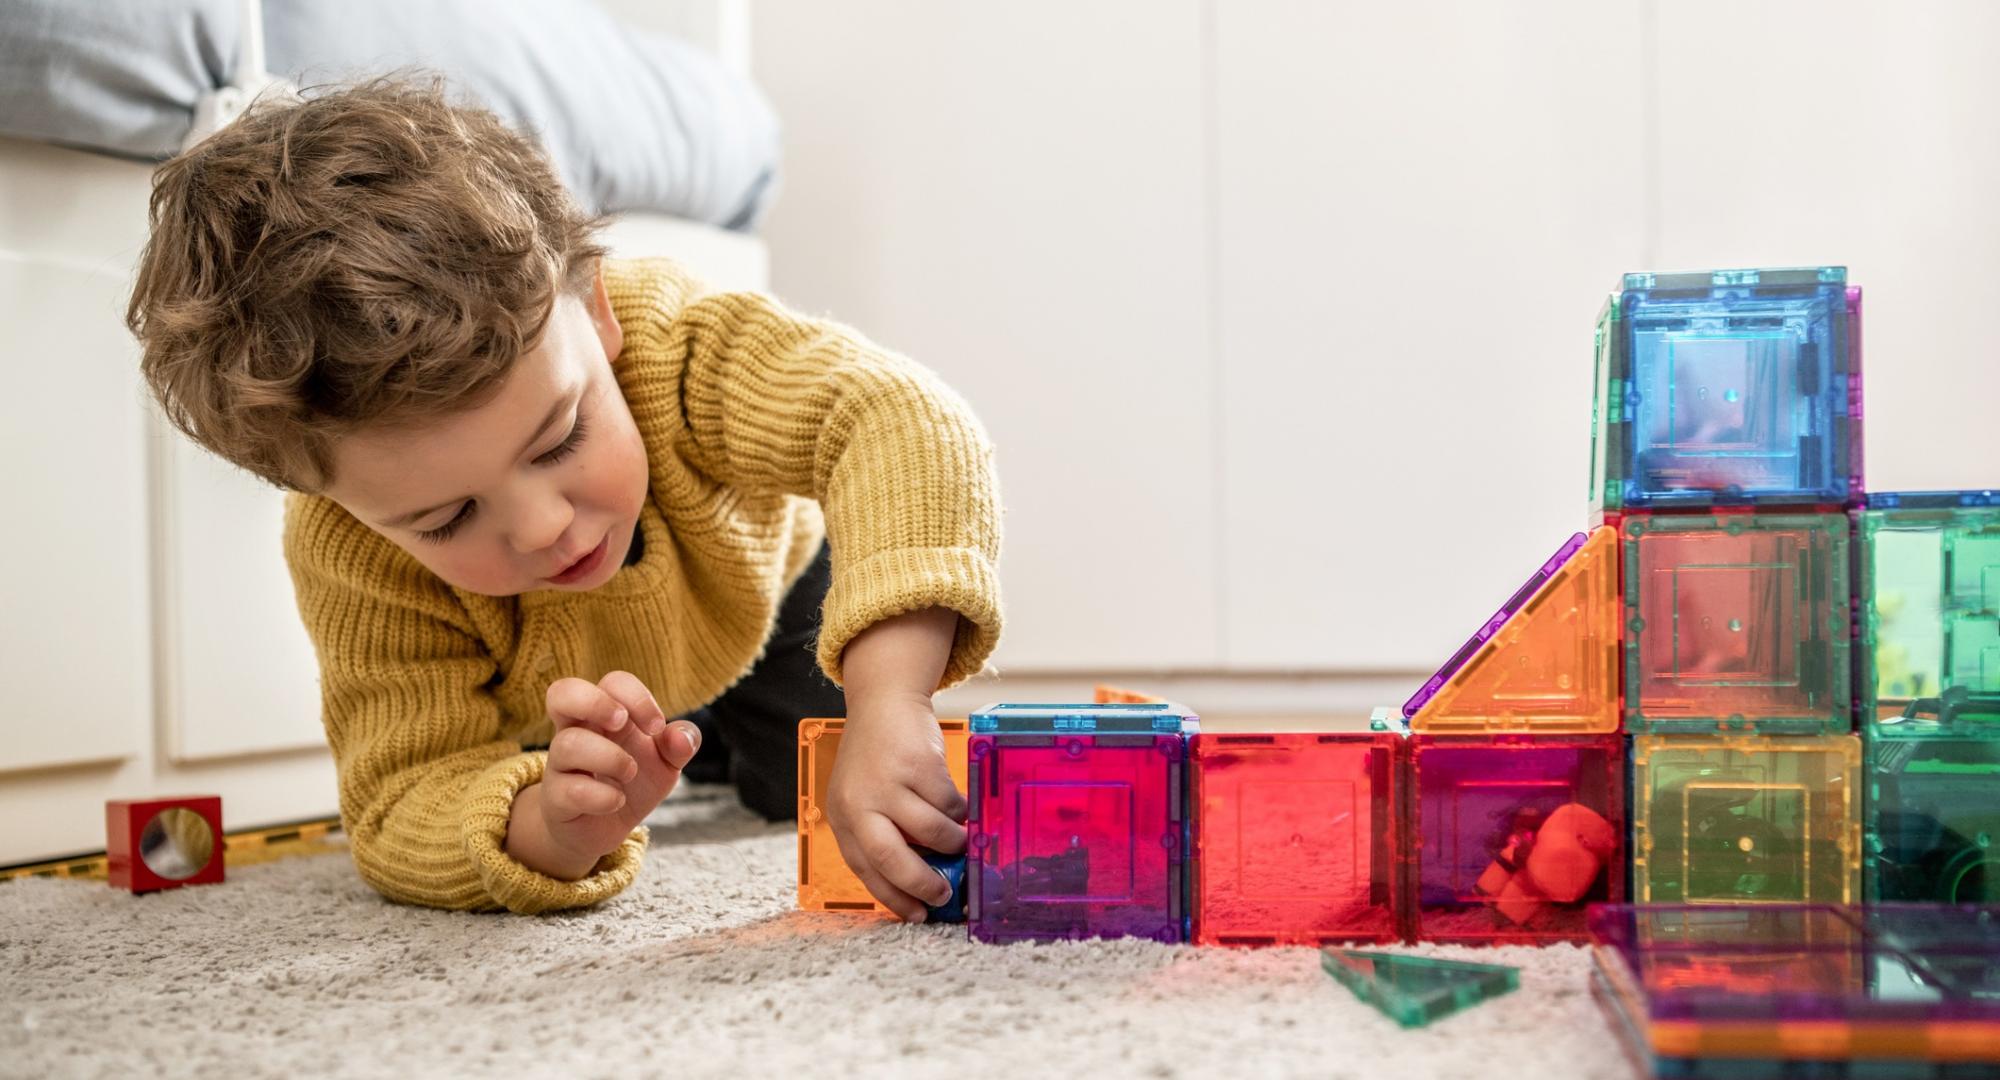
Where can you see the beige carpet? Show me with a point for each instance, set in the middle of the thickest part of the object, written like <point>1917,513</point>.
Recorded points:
<point>703,968</point>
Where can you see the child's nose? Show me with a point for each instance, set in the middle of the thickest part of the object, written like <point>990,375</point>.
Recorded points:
<point>541,525</point>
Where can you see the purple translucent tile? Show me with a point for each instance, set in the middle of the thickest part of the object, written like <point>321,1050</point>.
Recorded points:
<point>1076,836</point>
<point>1492,626</point>
<point>1765,963</point>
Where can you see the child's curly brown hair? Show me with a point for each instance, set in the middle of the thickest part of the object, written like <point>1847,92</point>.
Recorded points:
<point>371,255</point>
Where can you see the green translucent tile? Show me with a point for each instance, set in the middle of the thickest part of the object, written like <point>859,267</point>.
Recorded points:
<point>1930,620</point>
<point>1733,819</point>
<point>1415,990</point>
<point>1932,827</point>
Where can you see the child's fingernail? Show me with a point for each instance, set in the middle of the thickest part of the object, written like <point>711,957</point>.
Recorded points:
<point>694,737</point>
<point>655,725</point>
<point>618,719</point>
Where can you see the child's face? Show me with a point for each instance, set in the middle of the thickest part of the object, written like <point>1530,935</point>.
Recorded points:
<point>494,500</point>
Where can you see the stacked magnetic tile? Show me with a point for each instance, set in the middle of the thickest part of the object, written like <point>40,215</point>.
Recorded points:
<point>1775,990</point>
<point>1928,684</point>
<point>1078,822</point>
<point>1728,388</point>
<point>1514,814</point>
<point>1726,449</point>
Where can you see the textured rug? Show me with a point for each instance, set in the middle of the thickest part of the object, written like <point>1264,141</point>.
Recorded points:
<point>702,968</point>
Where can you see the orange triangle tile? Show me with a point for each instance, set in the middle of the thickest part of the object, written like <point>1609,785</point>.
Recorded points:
<point>1553,667</point>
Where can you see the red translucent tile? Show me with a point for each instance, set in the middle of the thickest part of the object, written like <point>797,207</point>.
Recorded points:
<point>1512,836</point>
<point>1737,622</point>
<point>1076,836</point>
<point>1295,838</point>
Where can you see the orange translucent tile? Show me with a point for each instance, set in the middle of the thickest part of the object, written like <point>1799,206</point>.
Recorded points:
<point>1553,667</point>
<point>825,882</point>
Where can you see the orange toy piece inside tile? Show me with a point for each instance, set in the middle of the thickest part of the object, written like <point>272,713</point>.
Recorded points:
<point>825,882</point>
<point>1118,695</point>
<point>1553,667</point>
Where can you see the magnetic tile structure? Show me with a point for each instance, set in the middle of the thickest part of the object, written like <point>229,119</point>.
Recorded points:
<point>1295,838</point>
<point>825,882</point>
<point>1929,584</point>
<point>1511,836</point>
<point>1932,827</point>
<point>1738,819</point>
<point>1796,989</point>
<point>1547,661</point>
<point>1415,990</point>
<point>1737,622</point>
<point>1728,388</point>
<point>1078,823</point>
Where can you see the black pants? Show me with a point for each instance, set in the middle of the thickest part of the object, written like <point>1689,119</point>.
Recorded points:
<point>750,735</point>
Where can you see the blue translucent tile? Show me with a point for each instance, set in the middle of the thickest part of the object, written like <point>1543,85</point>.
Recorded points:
<point>1734,387</point>
<point>1149,718</point>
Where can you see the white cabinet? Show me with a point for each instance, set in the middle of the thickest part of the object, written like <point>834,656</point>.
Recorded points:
<point>76,662</point>
<point>1420,206</point>
<point>1848,132</point>
<point>1016,197</point>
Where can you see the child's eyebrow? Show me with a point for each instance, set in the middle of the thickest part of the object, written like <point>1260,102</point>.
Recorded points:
<point>562,405</point>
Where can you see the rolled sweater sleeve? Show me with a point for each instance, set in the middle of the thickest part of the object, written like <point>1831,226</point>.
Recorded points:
<point>775,401</point>
<point>427,779</point>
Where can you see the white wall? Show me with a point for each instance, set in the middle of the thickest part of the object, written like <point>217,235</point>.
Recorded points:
<point>1308,289</point>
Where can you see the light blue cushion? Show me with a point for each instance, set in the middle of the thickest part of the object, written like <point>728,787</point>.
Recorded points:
<point>632,120</point>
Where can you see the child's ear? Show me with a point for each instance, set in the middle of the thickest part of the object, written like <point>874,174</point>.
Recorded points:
<point>609,331</point>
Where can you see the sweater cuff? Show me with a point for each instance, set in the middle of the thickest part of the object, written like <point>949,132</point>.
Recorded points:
<point>894,582</point>
<point>489,803</point>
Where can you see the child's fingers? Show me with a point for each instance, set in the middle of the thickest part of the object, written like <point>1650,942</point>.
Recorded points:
<point>579,749</point>
<point>928,826</point>
<point>882,845</point>
<point>907,908</point>
<point>629,692</point>
<point>569,795</point>
<point>571,702</point>
<point>937,789</point>
<point>678,743</point>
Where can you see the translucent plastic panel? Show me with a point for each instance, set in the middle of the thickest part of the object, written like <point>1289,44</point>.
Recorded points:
<point>1513,835</point>
<point>825,882</point>
<point>1737,387</point>
<point>1930,611</point>
<point>1737,622</point>
<point>1732,819</point>
<point>1932,828</point>
<point>1158,717</point>
<point>1840,985</point>
<point>1295,838</point>
<point>1415,990</point>
<point>1548,662</point>
<point>1076,836</point>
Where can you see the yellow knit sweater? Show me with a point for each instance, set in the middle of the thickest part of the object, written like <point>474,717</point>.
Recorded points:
<point>750,415</point>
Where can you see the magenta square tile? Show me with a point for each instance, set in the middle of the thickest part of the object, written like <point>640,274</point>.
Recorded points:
<point>1077,836</point>
<point>1513,836</point>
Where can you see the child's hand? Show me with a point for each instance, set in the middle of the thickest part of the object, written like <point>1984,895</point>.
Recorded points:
<point>890,788</point>
<point>613,758</point>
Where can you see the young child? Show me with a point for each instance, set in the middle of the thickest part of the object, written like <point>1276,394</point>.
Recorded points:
<point>545,499</point>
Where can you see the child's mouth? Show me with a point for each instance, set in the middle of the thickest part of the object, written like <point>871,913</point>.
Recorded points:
<point>583,567</point>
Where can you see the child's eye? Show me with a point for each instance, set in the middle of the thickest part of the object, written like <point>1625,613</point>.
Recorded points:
<point>443,532</point>
<point>567,446</point>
